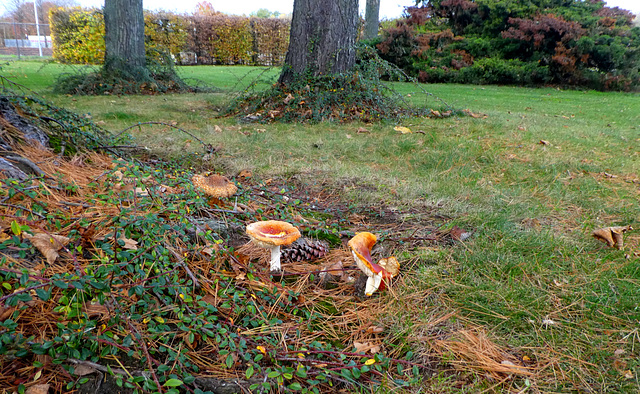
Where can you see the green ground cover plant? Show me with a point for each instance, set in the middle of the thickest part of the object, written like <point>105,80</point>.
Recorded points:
<point>529,176</point>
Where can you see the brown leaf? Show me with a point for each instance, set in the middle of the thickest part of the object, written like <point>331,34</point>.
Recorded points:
<point>47,244</point>
<point>287,99</point>
<point>612,235</point>
<point>5,313</point>
<point>362,130</point>
<point>619,352</point>
<point>82,370</point>
<point>95,310</point>
<point>366,347</point>
<point>129,243</point>
<point>374,330</point>
<point>619,365</point>
<point>459,234</point>
<point>245,174</point>
<point>217,129</point>
<point>38,389</point>
<point>544,142</point>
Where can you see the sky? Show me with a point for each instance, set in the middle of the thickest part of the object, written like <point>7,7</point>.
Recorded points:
<point>389,9</point>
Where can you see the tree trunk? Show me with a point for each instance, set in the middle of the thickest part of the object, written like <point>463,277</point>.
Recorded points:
<point>322,38</point>
<point>371,19</point>
<point>124,38</point>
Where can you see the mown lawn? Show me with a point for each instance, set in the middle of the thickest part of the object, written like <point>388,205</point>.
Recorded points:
<point>530,179</point>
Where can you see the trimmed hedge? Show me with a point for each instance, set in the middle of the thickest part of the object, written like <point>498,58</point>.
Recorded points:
<point>78,37</point>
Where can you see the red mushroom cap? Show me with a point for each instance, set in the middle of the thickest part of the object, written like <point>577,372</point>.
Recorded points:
<point>361,246</point>
<point>273,233</point>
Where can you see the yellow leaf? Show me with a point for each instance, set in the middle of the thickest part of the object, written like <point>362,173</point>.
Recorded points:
<point>370,361</point>
<point>159,319</point>
<point>262,350</point>
<point>146,320</point>
<point>403,130</point>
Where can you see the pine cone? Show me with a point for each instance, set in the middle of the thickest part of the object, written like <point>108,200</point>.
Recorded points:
<point>304,250</point>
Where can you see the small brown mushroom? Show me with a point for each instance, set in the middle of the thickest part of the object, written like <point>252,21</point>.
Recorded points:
<point>216,186</point>
<point>272,234</point>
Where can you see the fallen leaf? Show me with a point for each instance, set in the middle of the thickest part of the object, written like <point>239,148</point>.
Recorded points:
<point>473,114</point>
<point>38,389</point>
<point>287,99</point>
<point>544,142</point>
<point>217,129</point>
<point>82,370</point>
<point>619,352</point>
<point>619,365</point>
<point>611,235</point>
<point>95,310</point>
<point>142,192</point>
<point>348,136</point>
<point>628,374</point>
<point>47,244</point>
<point>374,330</point>
<point>459,234</point>
<point>366,347</point>
<point>362,130</point>
<point>129,243</point>
<point>403,130</point>
<point>5,313</point>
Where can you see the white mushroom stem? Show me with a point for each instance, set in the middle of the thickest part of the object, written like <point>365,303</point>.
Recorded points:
<point>373,283</point>
<point>275,259</point>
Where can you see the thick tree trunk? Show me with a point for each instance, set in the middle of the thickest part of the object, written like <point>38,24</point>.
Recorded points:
<point>371,19</point>
<point>322,38</point>
<point>124,37</point>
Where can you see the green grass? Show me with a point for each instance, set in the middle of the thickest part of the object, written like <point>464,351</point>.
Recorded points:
<point>531,206</point>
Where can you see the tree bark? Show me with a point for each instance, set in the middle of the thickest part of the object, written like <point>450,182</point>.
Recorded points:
<point>371,19</point>
<point>124,37</point>
<point>322,38</point>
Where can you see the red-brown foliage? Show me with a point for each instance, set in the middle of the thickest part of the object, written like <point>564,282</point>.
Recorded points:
<point>544,30</point>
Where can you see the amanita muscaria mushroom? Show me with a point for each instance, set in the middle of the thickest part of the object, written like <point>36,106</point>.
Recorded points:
<point>272,234</point>
<point>360,246</point>
<point>216,186</point>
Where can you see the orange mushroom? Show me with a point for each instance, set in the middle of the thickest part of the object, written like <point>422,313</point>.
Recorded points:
<point>360,246</point>
<point>216,186</point>
<point>272,234</point>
